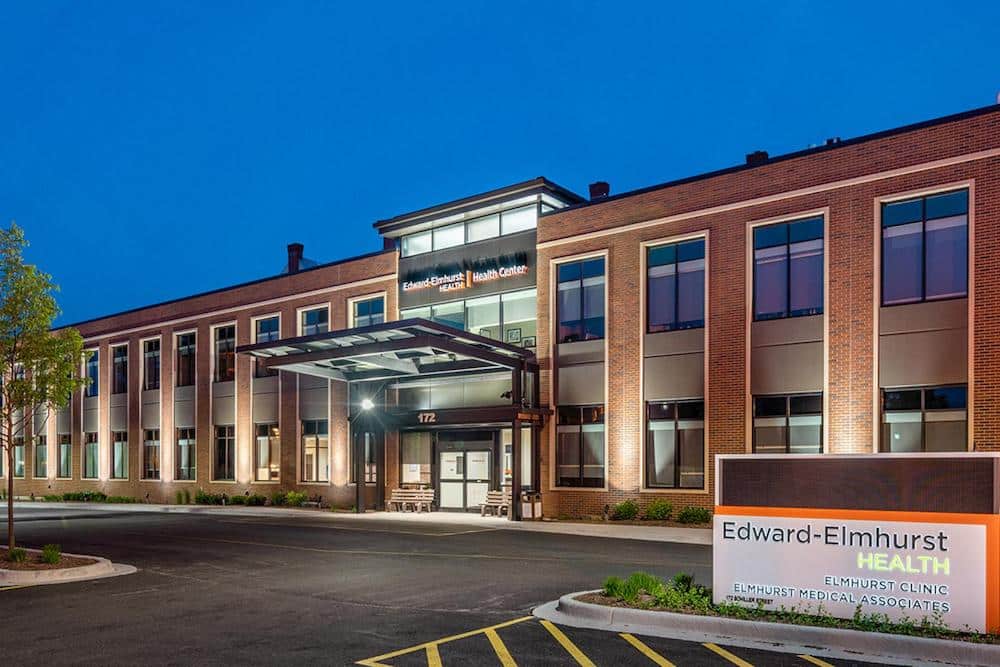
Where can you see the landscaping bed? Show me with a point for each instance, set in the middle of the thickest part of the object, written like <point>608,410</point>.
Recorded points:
<point>657,512</point>
<point>36,560</point>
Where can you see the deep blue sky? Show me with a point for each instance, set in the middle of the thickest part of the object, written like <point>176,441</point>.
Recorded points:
<point>153,150</point>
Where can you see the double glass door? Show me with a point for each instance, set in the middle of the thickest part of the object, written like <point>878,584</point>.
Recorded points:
<point>464,478</point>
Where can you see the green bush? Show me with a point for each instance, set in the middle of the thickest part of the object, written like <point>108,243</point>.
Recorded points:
<point>202,497</point>
<point>694,515</point>
<point>236,500</point>
<point>614,587</point>
<point>17,555</point>
<point>179,497</point>
<point>85,496</point>
<point>659,510</point>
<point>278,498</point>
<point>53,498</point>
<point>295,498</point>
<point>51,554</point>
<point>256,499</point>
<point>626,510</point>
<point>187,497</point>
<point>121,499</point>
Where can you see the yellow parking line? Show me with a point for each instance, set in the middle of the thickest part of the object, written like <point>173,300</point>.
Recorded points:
<point>646,651</point>
<point>570,647</point>
<point>501,650</point>
<point>433,657</point>
<point>815,661</point>
<point>727,655</point>
<point>377,660</point>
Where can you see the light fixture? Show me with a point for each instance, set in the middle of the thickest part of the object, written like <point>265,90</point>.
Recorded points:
<point>367,404</point>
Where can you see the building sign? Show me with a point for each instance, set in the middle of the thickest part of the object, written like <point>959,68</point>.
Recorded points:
<point>847,561</point>
<point>451,282</point>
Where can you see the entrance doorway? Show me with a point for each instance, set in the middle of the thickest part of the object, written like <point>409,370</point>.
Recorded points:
<point>465,478</point>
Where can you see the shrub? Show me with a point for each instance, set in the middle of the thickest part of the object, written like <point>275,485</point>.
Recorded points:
<point>295,498</point>
<point>187,497</point>
<point>204,498</point>
<point>614,587</point>
<point>659,510</point>
<point>85,496</point>
<point>237,500</point>
<point>625,511</point>
<point>17,555</point>
<point>179,497</point>
<point>53,498</point>
<point>278,498</point>
<point>51,554</point>
<point>121,499</point>
<point>256,499</point>
<point>694,515</point>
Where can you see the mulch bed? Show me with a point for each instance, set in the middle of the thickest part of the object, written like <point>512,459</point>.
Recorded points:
<point>34,562</point>
<point>662,524</point>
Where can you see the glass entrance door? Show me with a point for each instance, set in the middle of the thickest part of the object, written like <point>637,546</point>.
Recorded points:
<point>464,479</point>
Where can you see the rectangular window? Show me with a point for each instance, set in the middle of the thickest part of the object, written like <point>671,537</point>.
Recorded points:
<point>449,237</point>
<point>93,374</point>
<point>119,455</point>
<point>450,314</point>
<point>675,445</point>
<point>186,454</point>
<point>509,317</point>
<point>925,248</point>
<point>64,468</point>
<point>119,369</point>
<point>367,312</point>
<point>185,359</point>
<point>225,353</point>
<point>151,454</point>
<point>580,446</point>
<point>580,304</point>
<point>415,454</point>
<point>483,228</point>
<point>90,455</point>
<point>151,364</point>
<point>315,451</point>
<point>266,330</point>
<point>315,321</point>
<point>370,472</point>
<point>788,424</point>
<point>416,244</point>
<point>788,269</point>
<point>224,468</point>
<point>933,419</point>
<point>41,466</point>
<point>19,457</point>
<point>267,451</point>
<point>518,220</point>
<point>675,286</point>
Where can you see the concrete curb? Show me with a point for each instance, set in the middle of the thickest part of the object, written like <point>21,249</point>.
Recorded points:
<point>101,569</point>
<point>821,642</point>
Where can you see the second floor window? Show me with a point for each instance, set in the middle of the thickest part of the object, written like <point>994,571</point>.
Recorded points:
<point>925,248</point>
<point>315,321</point>
<point>266,330</point>
<point>788,269</point>
<point>580,304</point>
<point>93,373</point>
<point>151,365</point>
<point>675,287</point>
<point>119,369</point>
<point>225,353</point>
<point>185,359</point>
<point>368,312</point>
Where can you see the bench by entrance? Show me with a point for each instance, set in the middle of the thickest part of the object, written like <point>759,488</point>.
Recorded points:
<point>402,499</point>
<point>497,503</point>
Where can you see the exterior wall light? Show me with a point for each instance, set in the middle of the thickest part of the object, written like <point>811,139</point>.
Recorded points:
<point>367,404</point>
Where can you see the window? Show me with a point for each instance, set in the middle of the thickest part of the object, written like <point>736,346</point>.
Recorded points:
<point>527,457</point>
<point>371,471</point>
<point>151,454</point>
<point>315,451</point>
<point>368,312</point>
<point>19,457</point>
<point>267,461</point>
<point>415,455</point>
<point>675,286</point>
<point>225,453</point>
<point>119,455</point>
<point>64,466</point>
<point>266,330</point>
<point>450,314</point>
<point>151,365</point>
<point>580,446</point>
<point>225,353</point>
<point>41,467</point>
<point>449,237</point>
<point>119,369</point>
<point>416,244</point>
<point>90,455</point>
<point>788,269</point>
<point>675,444</point>
<point>518,220</point>
<point>185,359</point>
<point>93,374</point>
<point>315,321</point>
<point>788,424</point>
<point>485,227</point>
<point>186,454</point>
<point>510,317</point>
<point>932,419</point>
<point>925,248</point>
<point>580,302</point>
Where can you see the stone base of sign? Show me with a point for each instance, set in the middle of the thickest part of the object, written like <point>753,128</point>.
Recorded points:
<point>821,642</point>
<point>100,569</point>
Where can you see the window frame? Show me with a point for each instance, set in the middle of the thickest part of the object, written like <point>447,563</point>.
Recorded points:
<point>228,440</point>
<point>274,447</point>
<point>604,431</point>
<point>41,444</point>
<point>193,444</point>
<point>145,363</point>
<point>647,446</point>
<point>650,247</point>
<point>302,450</point>
<point>59,445</point>
<point>787,223</point>
<point>119,362</point>
<point>87,443</point>
<point>517,207</point>
<point>352,307</point>
<point>217,367</point>
<point>115,441</point>
<point>407,313</point>
<point>923,389</point>
<point>300,314</point>
<point>144,472</point>
<point>254,326</point>
<point>788,414</point>
<point>193,356</point>
<point>557,264</point>
<point>93,388</point>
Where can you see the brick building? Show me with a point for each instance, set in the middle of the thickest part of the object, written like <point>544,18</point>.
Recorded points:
<point>840,299</point>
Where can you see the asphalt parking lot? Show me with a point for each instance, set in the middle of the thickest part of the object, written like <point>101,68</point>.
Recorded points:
<point>224,589</point>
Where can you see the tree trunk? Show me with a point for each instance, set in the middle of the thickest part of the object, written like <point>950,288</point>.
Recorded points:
<point>10,487</point>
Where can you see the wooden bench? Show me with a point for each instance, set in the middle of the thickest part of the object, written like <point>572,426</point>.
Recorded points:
<point>315,501</point>
<point>401,499</point>
<point>497,503</point>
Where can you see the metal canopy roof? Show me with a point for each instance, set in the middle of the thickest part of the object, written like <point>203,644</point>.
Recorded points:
<point>390,350</point>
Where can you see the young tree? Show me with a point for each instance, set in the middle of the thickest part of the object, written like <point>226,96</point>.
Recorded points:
<point>39,368</point>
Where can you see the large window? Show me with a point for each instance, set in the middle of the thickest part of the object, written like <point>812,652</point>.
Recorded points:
<point>90,455</point>
<point>225,454</point>
<point>225,353</point>
<point>415,456</point>
<point>478,229</point>
<point>315,321</point>
<point>580,446</point>
<point>119,369</point>
<point>151,364</point>
<point>932,419</point>
<point>315,451</point>
<point>675,444</point>
<point>19,457</point>
<point>788,424</point>
<point>267,451</point>
<point>509,317</point>
<point>151,454</point>
<point>64,467</point>
<point>186,448</point>
<point>527,457</point>
<point>266,330</point>
<point>93,373</point>
<point>370,466</point>
<point>41,467</point>
<point>788,269</point>
<point>119,455</point>
<point>185,359</point>
<point>675,286</point>
<point>925,253</point>
<point>367,312</point>
<point>580,305</point>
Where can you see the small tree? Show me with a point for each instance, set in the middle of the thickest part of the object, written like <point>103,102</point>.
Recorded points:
<point>39,369</point>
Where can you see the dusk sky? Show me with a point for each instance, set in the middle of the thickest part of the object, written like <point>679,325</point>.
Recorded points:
<point>154,150</point>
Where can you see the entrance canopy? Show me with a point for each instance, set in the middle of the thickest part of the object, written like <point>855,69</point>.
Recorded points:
<point>390,350</point>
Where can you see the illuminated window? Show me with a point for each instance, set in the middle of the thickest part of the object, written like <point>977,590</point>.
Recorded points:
<point>315,451</point>
<point>788,269</point>
<point>580,446</point>
<point>151,454</point>
<point>675,444</point>
<point>90,455</point>
<point>675,286</point>
<point>932,419</point>
<point>119,455</point>
<point>267,459</point>
<point>225,353</point>
<point>41,467</point>
<point>788,424</point>
<point>186,454</point>
<point>580,301</point>
<point>266,330</point>
<point>185,359</point>
<point>64,466</point>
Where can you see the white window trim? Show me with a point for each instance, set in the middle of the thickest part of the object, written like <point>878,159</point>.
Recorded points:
<point>317,306</point>
<point>366,297</point>
<point>159,395</point>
